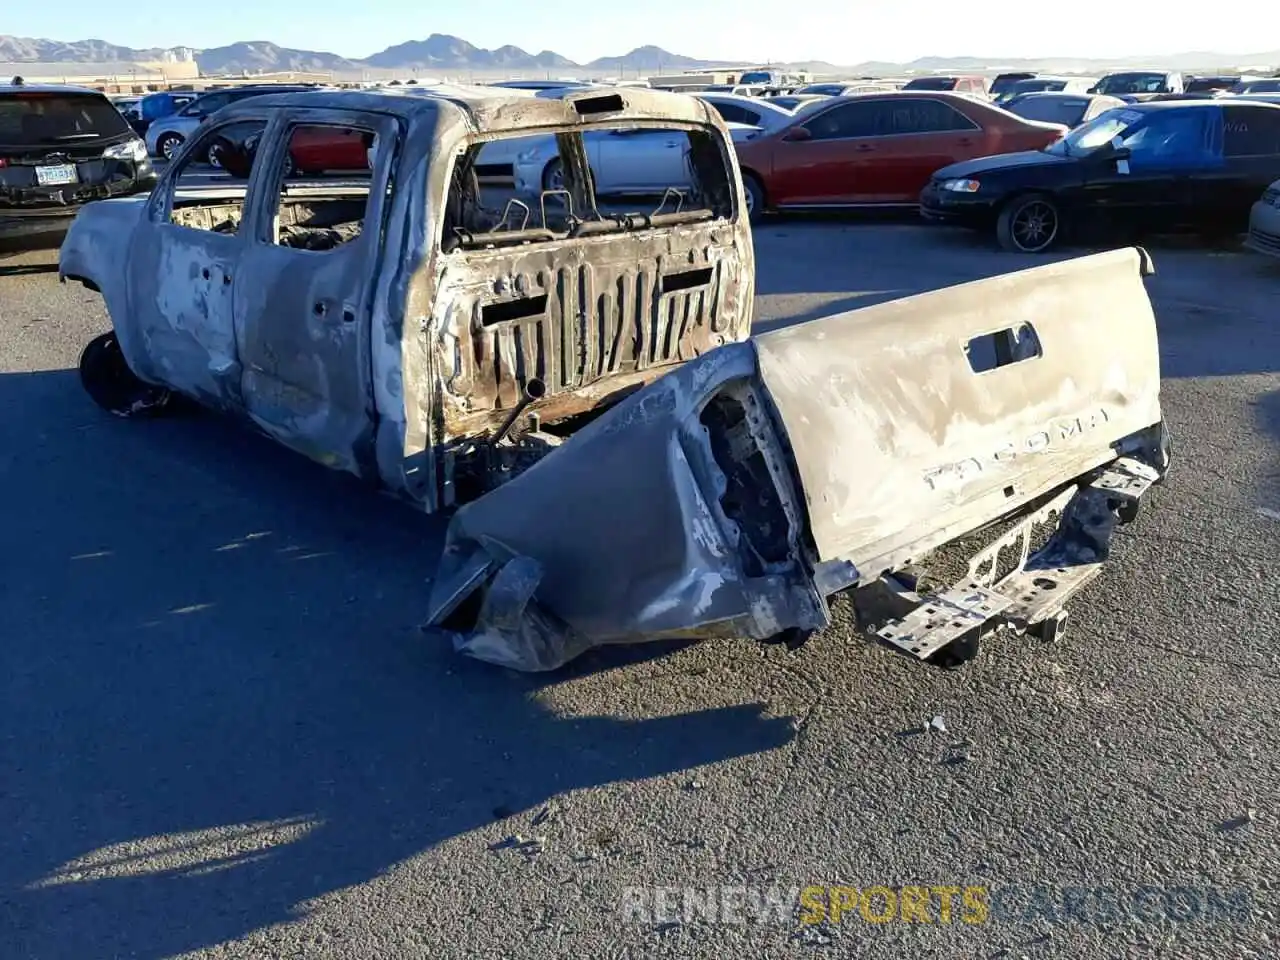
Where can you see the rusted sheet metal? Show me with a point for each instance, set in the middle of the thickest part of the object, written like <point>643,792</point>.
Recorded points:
<point>496,115</point>
<point>901,445</point>
<point>619,536</point>
<point>600,312</point>
<point>735,494</point>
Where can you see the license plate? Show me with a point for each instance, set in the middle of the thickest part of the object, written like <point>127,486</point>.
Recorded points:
<point>53,176</point>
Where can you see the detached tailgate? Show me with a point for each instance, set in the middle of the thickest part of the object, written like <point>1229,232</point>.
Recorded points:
<point>915,421</point>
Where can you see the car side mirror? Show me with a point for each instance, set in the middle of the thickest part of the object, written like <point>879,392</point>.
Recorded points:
<point>797,135</point>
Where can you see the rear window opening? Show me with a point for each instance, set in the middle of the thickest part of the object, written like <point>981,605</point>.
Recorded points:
<point>930,83</point>
<point>340,158</point>
<point>543,187</point>
<point>38,119</point>
<point>322,184</point>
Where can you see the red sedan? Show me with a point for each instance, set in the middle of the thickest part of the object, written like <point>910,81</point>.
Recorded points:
<point>314,149</point>
<point>877,149</point>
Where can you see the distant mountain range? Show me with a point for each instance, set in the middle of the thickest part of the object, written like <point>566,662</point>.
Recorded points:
<point>440,53</point>
<point>437,52</point>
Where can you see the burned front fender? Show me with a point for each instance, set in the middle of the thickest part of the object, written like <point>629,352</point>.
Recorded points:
<point>731,497</point>
<point>95,250</point>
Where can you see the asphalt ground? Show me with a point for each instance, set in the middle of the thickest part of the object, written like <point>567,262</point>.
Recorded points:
<point>222,735</point>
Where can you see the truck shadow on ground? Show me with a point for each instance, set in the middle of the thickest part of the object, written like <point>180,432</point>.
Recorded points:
<point>216,703</point>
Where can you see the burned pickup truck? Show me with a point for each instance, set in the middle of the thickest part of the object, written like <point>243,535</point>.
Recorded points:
<point>573,374</point>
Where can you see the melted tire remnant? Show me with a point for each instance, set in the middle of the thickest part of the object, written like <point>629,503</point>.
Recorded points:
<point>106,377</point>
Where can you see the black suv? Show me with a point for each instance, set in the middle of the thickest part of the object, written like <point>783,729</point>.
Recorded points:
<point>60,148</point>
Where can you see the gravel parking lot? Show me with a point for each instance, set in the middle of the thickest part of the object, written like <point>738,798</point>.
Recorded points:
<point>221,734</point>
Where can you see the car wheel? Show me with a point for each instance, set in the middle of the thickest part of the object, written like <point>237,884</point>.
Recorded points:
<point>755,197</point>
<point>553,175</point>
<point>217,150</point>
<point>168,144</point>
<point>1029,224</point>
<point>110,383</point>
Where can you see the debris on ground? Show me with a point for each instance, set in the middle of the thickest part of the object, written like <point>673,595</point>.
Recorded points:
<point>1235,823</point>
<point>956,757</point>
<point>542,816</point>
<point>814,936</point>
<point>529,846</point>
<point>937,724</point>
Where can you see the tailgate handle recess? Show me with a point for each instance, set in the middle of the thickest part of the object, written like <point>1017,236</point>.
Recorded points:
<point>1001,348</point>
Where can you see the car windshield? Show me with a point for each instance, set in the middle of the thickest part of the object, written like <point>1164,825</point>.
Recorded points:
<point>1258,86</point>
<point>1101,130</point>
<point>1038,85</point>
<point>804,106</point>
<point>1005,84</point>
<point>1209,84</point>
<point>931,83</point>
<point>755,76</point>
<point>1065,110</point>
<point>27,119</point>
<point>1133,83</point>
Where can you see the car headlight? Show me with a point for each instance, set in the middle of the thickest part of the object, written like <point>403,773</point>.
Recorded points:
<point>961,186</point>
<point>134,150</point>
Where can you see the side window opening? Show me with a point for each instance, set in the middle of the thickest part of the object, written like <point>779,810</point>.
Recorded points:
<point>733,113</point>
<point>541,187</point>
<point>924,116</point>
<point>845,121</point>
<point>337,159</point>
<point>1251,133</point>
<point>206,197</point>
<point>1174,140</point>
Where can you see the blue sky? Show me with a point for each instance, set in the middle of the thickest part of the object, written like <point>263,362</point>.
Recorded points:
<point>840,31</point>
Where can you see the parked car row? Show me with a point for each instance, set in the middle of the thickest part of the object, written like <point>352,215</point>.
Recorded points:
<point>1035,168</point>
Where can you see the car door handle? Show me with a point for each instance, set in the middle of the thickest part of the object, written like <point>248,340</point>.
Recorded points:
<point>864,148</point>
<point>965,142</point>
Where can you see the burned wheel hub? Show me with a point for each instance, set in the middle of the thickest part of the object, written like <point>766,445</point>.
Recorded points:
<point>112,385</point>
